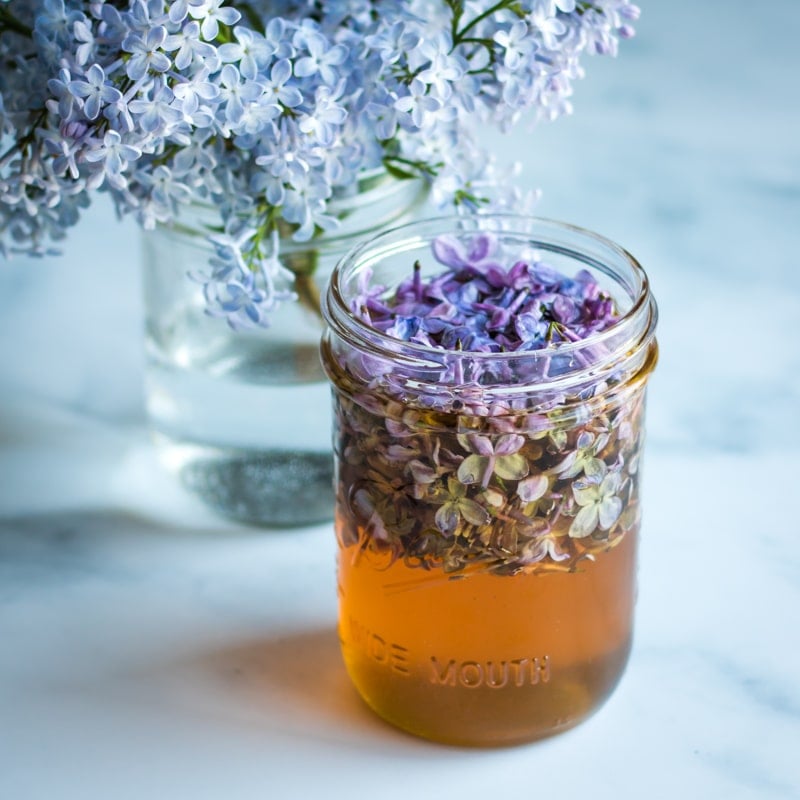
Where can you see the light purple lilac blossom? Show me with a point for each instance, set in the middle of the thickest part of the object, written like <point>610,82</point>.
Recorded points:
<point>268,110</point>
<point>479,304</point>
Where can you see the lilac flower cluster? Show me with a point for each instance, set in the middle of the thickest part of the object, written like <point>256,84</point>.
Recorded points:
<point>452,498</point>
<point>267,111</point>
<point>479,305</point>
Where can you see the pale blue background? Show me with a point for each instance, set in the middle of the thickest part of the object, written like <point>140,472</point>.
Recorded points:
<point>147,650</point>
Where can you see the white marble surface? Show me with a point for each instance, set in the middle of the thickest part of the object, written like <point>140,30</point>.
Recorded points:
<point>149,650</point>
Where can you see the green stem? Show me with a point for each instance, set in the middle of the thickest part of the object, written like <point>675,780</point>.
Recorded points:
<point>420,166</point>
<point>504,4</point>
<point>308,294</point>
<point>256,23</point>
<point>28,139</point>
<point>9,22</point>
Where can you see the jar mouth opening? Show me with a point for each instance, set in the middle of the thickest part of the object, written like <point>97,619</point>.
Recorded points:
<point>631,331</point>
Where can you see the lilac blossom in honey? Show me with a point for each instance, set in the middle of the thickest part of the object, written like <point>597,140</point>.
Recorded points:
<point>434,471</point>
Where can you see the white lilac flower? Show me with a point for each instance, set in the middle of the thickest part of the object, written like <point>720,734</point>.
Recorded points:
<point>212,13</point>
<point>156,114</point>
<point>304,205</point>
<point>84,35</point>
<point>115,156</point>
<point>251,51</point>
<point>551,7</point>
<point>191,48</point>
<point>235,92</point>
<point>394,41</point>
<point>197,99</point>
<point>418,105</point>
<point>278,85</point>
<point>165,192</point>
<point>384,117</point>
<point>443,68</point>
<point>146,53</point>
<point>94,91</point>
<point>596,495</point>
<point>321,58</point>
<point>548,26</point>
<point>516,43</point>
<point>54,21</point>
<point>326,118</point>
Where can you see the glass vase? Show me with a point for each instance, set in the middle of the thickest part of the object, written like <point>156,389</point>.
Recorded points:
<point>243,417</point>
<point>487,504</point>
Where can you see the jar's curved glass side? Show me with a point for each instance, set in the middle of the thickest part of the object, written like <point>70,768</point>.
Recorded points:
<point>488,511</point>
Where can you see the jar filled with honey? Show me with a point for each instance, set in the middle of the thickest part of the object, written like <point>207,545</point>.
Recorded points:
<point>488,382</point>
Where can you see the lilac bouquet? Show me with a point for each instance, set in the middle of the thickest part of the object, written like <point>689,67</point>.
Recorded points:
<point>267,110</point>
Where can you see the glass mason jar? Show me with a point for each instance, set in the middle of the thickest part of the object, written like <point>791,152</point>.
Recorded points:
<point>487,504</point>
<point>243,417</point>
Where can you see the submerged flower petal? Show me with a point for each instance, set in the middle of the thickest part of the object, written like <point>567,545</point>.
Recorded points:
<point>609,512</point>
<point>533,488</point>
<point>511,468</point>
<point>473,512</point>
<point>585,522</point>
<point>473,469</point>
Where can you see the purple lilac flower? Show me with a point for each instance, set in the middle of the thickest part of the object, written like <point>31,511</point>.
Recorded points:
<point>479,305</point>
<point>289,111</point>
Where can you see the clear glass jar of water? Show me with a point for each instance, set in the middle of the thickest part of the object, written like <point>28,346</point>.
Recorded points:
<point>242,418</point>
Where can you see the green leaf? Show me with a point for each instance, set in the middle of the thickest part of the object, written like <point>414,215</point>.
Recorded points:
<point>396,172</point>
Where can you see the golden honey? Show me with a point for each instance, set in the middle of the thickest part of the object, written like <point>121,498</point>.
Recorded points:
<point>485,659</point>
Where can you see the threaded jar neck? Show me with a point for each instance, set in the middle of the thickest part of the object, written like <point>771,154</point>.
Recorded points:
<point>567,374</point>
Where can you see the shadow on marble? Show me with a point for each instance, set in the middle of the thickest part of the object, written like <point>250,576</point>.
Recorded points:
<point>277,691</point>
<point>114,547</point>
<point>64,528</point>
<point>295,682</point>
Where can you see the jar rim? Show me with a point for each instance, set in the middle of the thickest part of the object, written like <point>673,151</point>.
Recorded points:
<point>632,331</point>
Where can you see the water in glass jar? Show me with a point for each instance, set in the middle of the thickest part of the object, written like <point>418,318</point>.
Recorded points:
<point>243,420</point>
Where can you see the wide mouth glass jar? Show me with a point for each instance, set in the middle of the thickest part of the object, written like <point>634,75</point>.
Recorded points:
<point>487,501</point>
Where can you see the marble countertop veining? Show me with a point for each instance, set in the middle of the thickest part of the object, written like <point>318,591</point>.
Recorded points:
<point>149,650</point>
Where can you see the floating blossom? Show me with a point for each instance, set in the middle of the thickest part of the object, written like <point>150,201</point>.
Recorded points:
<point>599,504</point>
<point>501,458</point>
<point>457,506</point>
<point>479,305</point>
